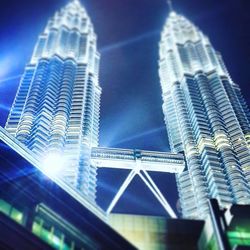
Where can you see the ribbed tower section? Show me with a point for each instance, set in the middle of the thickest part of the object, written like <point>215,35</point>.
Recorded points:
<point>56,109</point>
<point>206,118</point>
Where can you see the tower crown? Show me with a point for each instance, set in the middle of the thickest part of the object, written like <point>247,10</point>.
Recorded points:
<point>184,49</point>
<point>181,29</point>
<point>66,35</point>
<point>170,5</point>
<point>75,1</point>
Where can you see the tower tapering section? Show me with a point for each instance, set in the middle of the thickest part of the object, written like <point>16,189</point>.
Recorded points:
<point>206,118</point>
<point>56,109</point>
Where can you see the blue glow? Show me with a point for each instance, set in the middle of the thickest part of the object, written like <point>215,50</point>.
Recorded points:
<point>6,64</point>
<point>140,135</point>
<point>4,107</point>
<point>130,198</point>
<point>9,78</point>
<point>129,41</point>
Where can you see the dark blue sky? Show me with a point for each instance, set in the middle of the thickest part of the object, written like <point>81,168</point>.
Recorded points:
<point>128,35</point>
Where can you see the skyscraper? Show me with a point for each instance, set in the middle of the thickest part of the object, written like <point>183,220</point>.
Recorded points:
<point>206,118</point>
<point>56,109</point>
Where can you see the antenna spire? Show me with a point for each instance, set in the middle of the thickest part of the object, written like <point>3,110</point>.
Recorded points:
<point>170,5</point>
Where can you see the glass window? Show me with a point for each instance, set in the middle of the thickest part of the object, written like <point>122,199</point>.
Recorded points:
<point>11,212</point>
<point>5,207</point>
<point>16,215</point>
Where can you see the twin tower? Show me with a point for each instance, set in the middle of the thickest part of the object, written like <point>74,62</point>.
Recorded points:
<point>57,107</point>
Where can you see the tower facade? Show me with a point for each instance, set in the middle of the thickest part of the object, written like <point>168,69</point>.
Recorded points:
<point>56,108</point>
<point>206,117</point>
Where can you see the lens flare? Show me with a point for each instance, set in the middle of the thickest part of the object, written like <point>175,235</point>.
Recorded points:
<point>53,164</point>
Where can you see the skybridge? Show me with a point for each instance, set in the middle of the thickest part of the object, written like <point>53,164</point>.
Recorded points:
<point>139,162</point>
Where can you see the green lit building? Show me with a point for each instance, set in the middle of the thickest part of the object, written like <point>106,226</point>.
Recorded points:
<point>158,233</point>
<point>238,225</point>
<point>226,230</point>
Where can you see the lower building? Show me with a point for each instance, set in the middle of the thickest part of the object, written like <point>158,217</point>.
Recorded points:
<point>158,233</point>
<point>39,213</point>
<point>238,221</point>
<point>231,227</point>
<point>224,230</point>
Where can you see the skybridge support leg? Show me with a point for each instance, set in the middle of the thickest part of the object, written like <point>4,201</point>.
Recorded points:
<point>121,191</point>
<point>157,193</point>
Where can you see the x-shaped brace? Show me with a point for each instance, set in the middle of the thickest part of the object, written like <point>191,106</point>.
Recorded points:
<point>143,174</point>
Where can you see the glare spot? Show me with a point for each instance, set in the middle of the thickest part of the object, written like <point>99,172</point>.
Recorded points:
<point>53,164</point>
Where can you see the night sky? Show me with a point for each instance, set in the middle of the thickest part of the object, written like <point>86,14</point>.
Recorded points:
<point>128,36</point>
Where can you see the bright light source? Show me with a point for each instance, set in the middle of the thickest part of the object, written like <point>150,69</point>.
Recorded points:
<point>53,164</point>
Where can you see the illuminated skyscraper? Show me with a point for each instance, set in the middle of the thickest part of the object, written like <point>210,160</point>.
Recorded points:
<point>206,117</point>
<point>56,109</point>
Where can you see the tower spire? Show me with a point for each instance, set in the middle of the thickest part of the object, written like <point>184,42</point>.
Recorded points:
<point>170,5</point>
